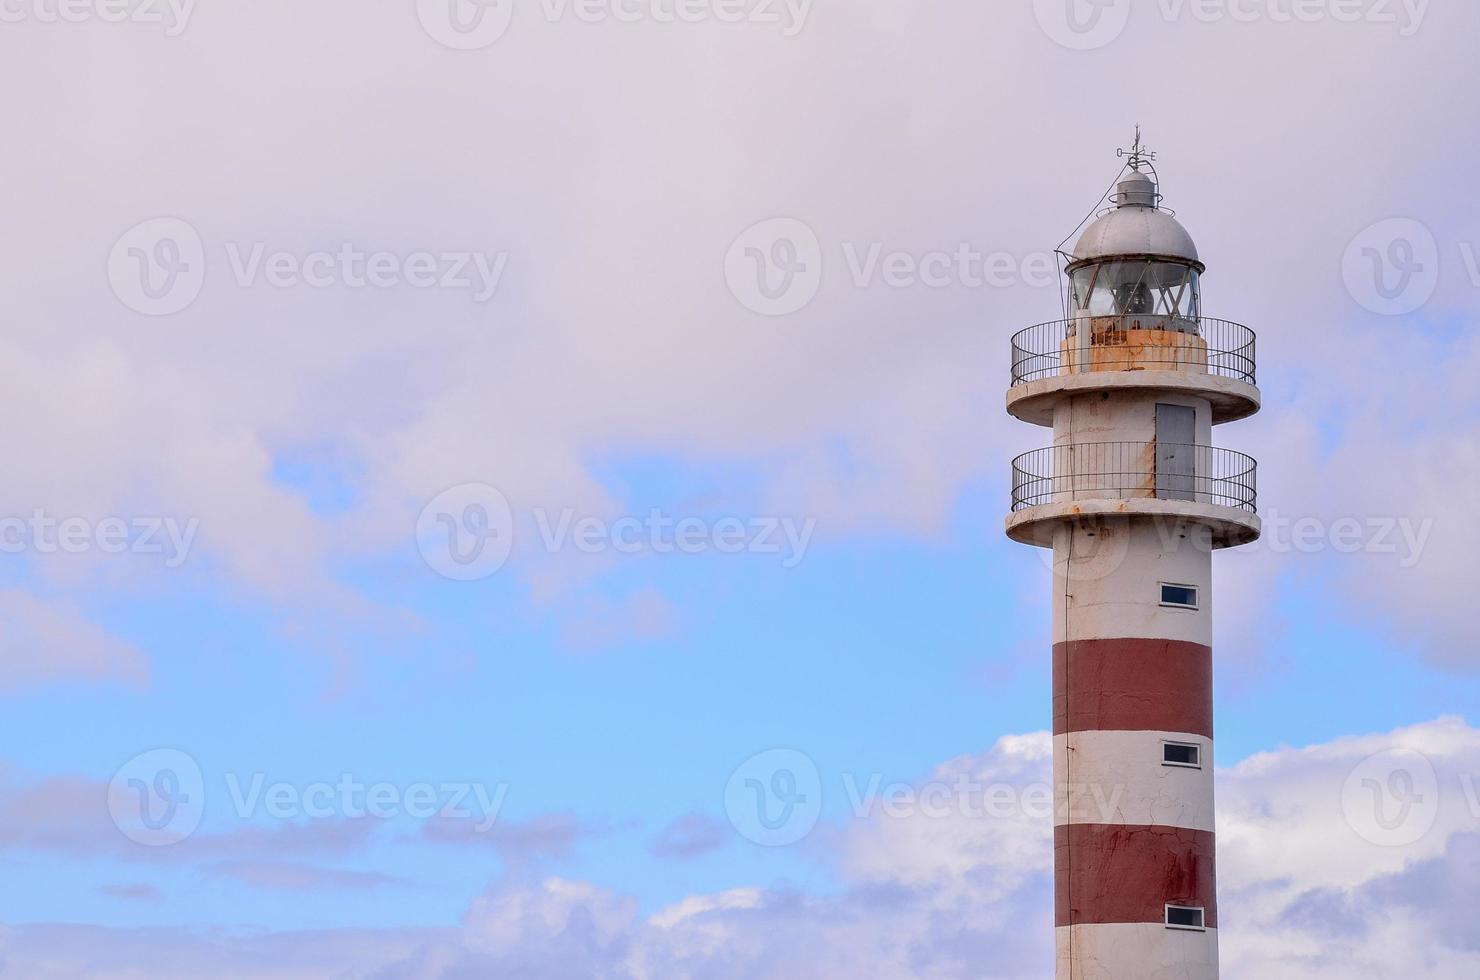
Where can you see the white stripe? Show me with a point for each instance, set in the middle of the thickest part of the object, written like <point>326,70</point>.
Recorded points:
<point>1113,588</point>
<point>1120,778</point>
<point>1136,951</point>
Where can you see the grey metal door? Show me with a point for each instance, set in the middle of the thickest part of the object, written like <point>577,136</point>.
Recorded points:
<point>1176,454</point>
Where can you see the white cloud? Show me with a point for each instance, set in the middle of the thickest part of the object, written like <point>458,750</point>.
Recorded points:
<point>1301,894</point>
<point>43,641</point>
<point>614,330</point>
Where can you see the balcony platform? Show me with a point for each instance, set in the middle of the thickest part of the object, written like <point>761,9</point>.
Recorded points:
<point>1231,399</point>
<point>1230,526</point>
<point>1170,483</point>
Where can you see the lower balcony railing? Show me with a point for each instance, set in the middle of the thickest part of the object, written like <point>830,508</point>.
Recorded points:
<point>1128,470</point>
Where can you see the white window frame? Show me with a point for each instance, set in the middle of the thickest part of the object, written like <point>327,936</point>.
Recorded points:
<point>1181,765</point>
<point>1196,596</point>
<point>1202,914</point>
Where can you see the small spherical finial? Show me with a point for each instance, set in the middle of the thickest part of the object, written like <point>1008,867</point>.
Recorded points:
<point>1136,226</point>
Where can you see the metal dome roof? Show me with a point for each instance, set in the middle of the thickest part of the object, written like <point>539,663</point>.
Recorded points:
<point>1136,227</point>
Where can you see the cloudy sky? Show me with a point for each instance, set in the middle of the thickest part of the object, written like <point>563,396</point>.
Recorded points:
<point>461,457</point>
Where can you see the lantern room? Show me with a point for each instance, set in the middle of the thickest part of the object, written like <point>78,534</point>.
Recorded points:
<point>1136,260</point>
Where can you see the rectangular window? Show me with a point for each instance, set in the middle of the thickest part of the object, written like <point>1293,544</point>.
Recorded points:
<point>1179,596</point>
<point>1185,917</point>
<point>1181,754</point>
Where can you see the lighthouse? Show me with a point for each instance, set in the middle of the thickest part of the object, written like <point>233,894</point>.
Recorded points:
<point>1133,499</point>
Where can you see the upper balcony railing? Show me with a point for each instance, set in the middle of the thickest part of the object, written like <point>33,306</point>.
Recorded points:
<point>1134,342</point>
<point>1129,470</point>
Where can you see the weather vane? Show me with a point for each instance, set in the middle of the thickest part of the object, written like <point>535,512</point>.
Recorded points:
<point>1138,154</point>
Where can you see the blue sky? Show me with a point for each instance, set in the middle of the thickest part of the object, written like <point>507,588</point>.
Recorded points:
<point>616,170</point>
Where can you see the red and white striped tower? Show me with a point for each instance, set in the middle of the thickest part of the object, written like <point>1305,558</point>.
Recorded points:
<point>1133,500</point>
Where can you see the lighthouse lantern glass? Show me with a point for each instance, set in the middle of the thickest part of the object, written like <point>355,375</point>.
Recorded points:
<point>1135,287</point>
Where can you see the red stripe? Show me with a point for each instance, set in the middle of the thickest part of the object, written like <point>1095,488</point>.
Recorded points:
<point>1133,685</point>
<point>1113,873</point>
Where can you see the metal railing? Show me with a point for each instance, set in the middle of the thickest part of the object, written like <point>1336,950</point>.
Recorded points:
<point>1119,470</point>
<point>1134,343</point>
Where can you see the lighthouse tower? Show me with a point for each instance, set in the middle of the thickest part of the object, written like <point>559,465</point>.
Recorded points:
<point>1133,500</point>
